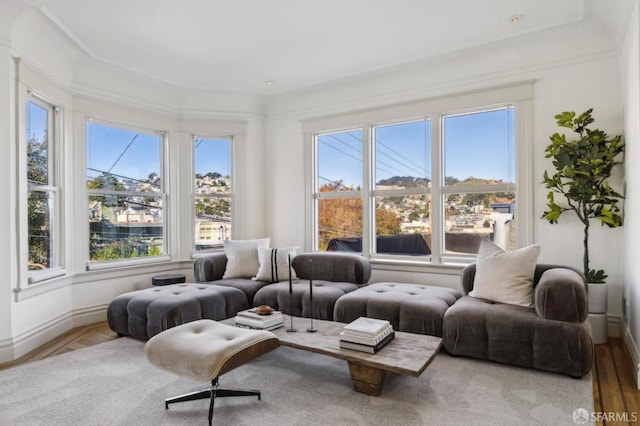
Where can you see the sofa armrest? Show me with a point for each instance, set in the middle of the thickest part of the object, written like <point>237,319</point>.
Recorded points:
<point>467,277</point>
<point>561,295</point>
<point>210,267</point>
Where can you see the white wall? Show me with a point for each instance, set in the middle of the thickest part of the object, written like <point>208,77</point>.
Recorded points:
<point>7,214</point>
<point>631,89</point>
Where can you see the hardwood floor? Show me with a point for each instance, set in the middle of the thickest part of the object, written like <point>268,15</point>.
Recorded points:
<point>614,388</point>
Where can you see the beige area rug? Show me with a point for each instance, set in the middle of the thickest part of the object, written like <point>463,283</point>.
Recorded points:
<point>113,384</point>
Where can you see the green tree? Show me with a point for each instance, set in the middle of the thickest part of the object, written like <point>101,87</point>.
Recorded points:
<point>39,237</point>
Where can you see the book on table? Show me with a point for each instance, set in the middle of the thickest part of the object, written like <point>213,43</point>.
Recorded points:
<point>347,336</point>
<point>372,349</point>
<point>252,319</point>
<point>258,323</point>
<point>271,327</point>
<point>253,314</point>
<point>368,327</point>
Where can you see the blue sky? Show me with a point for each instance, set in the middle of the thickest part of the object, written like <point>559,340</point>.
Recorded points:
<point>478,145</point>
<point>136,155</point>
<point>36,121</point>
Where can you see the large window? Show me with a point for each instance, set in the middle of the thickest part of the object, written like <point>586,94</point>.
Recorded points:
<point>126,192</point>
<point>427,188</point>
<point>43,198</point>
<point>212,191</point>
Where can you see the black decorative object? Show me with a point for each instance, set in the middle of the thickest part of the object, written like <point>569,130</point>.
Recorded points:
<point>290,329</point>
<point>311,328</point>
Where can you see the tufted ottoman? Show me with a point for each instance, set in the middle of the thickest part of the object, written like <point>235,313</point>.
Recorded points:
<point>145,313</point>
<point>412,308</point>
<point>204,350</point>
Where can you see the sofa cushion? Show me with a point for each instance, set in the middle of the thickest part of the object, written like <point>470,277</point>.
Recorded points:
<point>274,264</point>
<point>414,308</point>
<point>505,277</point>
<point>242,257</point>
<point>337,267</point>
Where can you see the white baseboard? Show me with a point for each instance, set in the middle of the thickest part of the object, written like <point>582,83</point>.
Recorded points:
<point>632,350</point>
<point>22,344</point>
<point>618,328</point>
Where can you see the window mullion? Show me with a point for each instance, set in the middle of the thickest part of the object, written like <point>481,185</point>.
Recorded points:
<point>437,182</point>
<point>368,202</point>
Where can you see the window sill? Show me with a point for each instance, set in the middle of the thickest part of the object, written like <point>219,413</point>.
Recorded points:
<point>39,276</point>
<point>114,264</point>
<point>42,286</point>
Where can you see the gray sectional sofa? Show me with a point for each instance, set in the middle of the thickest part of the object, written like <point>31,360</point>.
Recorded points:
<point>553,335</point>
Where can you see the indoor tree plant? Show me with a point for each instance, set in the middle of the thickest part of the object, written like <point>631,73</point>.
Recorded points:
<point>583,166</point>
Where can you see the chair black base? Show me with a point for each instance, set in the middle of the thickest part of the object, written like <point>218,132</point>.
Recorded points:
<point>213,392</point>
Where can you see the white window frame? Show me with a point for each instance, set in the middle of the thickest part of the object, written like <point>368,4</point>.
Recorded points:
<point>164,178</point>
<point>194,196</point>
<point>519,96</point>
<point>54,167</point>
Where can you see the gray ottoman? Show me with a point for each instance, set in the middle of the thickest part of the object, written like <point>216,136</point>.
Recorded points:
<point>412,308</point>
<point>145,313</point>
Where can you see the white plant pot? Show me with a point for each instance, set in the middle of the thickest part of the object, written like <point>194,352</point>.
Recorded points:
<point>599,331</point>
<point>597,298</point>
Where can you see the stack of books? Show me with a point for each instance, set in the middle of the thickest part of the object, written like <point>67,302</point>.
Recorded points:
<point>251,319</point>
<point>366,335</point>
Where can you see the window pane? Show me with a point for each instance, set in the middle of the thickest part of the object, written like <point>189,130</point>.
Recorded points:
<point>340,224</point>
<point>122,160</point>
<point>40,221</point>
<point>479,148</point>
<point>213,221</point>
<point>403,155</point>
<point>212,183</point>
<point>471,217</point>
<point>37,144</point>
<point>125,226</point>
<point>340,161</point>
<point>403,225</point>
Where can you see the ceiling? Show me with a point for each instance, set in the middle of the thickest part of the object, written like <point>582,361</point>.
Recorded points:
<point>241,44</point>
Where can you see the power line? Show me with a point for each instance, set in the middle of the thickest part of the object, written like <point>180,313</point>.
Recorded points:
<point>359,160</point>
<point>123,152</point>
<point>359,151</point>
<point>421,169</point>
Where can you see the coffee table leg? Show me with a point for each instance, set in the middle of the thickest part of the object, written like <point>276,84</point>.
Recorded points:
<point>366,379</point>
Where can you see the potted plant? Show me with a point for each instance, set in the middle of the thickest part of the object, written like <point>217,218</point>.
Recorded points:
<point>582,168</point>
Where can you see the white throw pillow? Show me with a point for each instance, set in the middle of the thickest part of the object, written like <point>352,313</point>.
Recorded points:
<point>505,277</point>
<point>242,257</point>
<point>274,264</point>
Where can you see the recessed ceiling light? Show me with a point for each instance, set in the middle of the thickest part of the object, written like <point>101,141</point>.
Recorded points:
<point>268,82</point>
<point>516,18</point>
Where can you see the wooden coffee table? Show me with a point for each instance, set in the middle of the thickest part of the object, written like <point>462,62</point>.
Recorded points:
<point>408,354</point>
